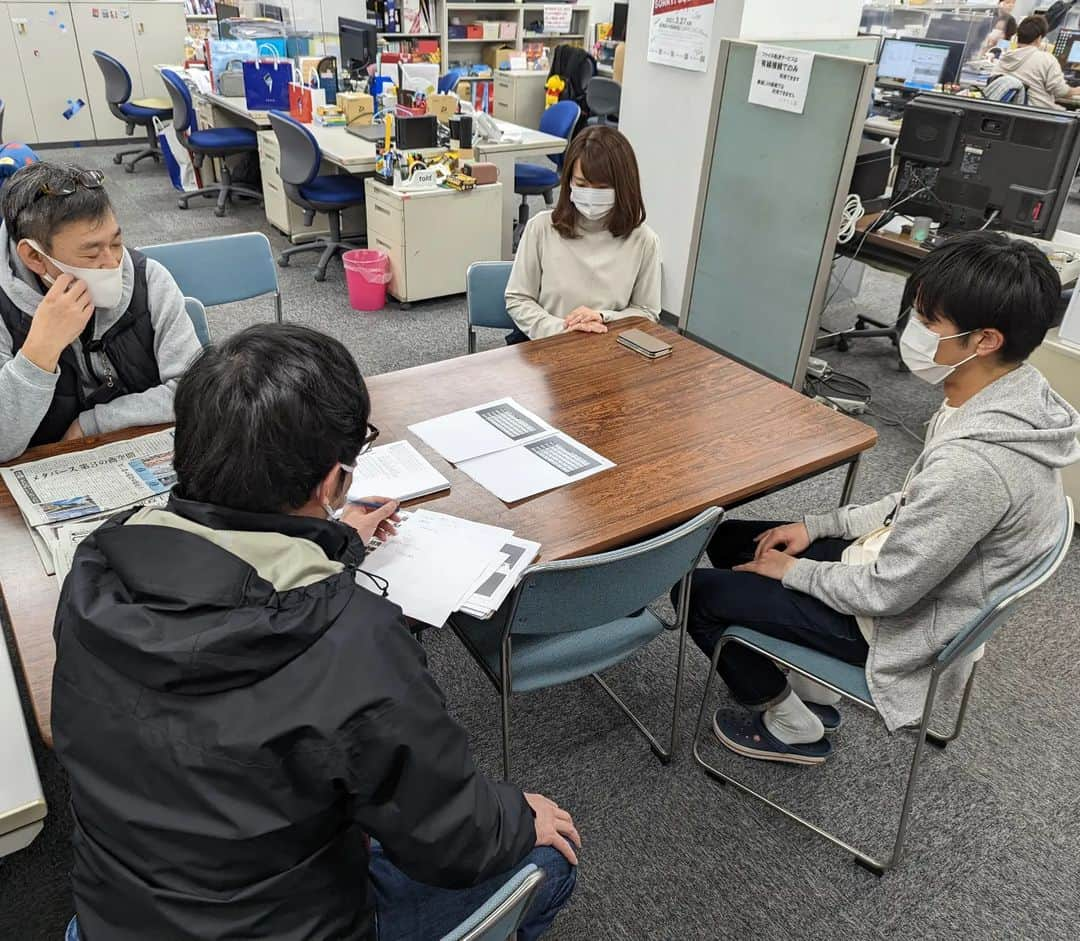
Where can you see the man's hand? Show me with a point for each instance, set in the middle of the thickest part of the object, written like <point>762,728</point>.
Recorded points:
<point>58,322</point>
<point>772,564</point>
<point>74,431</point>
<point>586,320</point>
<point>554,826</point>
<point>792,539</point>
<point>370,523</point>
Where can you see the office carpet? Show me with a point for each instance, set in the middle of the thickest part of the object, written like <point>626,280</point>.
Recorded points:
<point>993,849</point>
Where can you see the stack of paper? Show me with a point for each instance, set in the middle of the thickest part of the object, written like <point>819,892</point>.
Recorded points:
<point>396,471</point>
<point>509,450</point>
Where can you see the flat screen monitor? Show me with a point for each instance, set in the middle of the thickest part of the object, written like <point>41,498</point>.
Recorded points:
<point>358,43</point>
<point>957,27</point>
<point>1073,55</point>
<point>914,64</point>
<point>970,163</point>
<point>618,21</point>
<point>227,11</point>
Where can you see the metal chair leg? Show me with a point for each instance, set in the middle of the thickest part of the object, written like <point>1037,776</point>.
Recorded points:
<point>850,480</point>
<point>504,694</point>
<point>941,739</point>
<point>470,344</point>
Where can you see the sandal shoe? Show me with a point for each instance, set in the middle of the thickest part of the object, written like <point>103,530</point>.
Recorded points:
<point>829,715</point>
<point>749,737</point>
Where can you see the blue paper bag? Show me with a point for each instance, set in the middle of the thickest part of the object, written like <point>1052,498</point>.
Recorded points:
<point>266,84</point>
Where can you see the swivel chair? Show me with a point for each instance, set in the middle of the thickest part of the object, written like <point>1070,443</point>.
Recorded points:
<point>212,142</point>
<point>532,179</point>
<point>602,96</point>
<point>140,113</point>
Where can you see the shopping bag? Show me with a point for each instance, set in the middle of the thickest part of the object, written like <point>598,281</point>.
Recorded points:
<point>266,83</point>
<point>182,172</point>
<point>223,51</point>
<point>300,106</point>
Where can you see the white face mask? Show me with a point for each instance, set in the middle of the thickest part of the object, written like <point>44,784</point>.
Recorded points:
<point>918,349</point>
<point>106,284</point>
<point>331,513</point>
<point>592,202</point>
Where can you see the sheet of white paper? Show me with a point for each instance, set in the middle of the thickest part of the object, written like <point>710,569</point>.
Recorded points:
<point>482,429</point>
<point>492,591</point>
<point>557,17</point>
<point>781,78</point>
<point>538,465</point>
<point>68,537</point>
<point>397,471</point>
<point>433,562</point>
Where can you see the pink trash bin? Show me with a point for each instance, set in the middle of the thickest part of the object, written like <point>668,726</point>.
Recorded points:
<point>367,272</point>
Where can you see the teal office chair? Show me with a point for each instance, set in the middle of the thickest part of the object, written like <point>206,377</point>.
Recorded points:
<point>221,269</point>
<point>499,918</point>
<point>571,619</point>
<point>197,315</point>
<point>849,681</point>
<point>533,179</point>
<point>485,298</point>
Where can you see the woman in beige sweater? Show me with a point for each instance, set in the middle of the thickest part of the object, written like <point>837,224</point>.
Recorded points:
<point>592,259</point>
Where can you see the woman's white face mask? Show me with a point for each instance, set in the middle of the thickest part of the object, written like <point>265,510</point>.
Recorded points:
<point>593,202</point>
<point>106,285</point>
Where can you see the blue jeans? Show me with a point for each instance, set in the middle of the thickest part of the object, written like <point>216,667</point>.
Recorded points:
<point>408,909</point>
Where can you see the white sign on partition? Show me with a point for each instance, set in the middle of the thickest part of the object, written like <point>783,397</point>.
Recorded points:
<point>679,32</point>
<point>781,78</point>
<point>557,17</point>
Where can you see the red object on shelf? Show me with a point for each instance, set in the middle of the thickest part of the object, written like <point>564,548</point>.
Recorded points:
<point>474,31</point>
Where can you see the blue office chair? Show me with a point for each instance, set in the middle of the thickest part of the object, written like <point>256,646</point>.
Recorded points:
<point>570,619</point>
<point>499,918</point>
<point>221,269</point>
<point>300,161</point>
<point>449,81</point>
<point>849,681</point>
<point>532,179</point>
<point>212,142</point>
<point>197,315</point>
<point>485,298</point>
<point>134,114</point>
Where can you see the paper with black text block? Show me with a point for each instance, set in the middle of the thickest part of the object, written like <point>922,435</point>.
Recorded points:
<point>482,429</point>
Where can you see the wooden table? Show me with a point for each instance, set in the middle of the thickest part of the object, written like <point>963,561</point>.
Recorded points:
<point>686,432</point>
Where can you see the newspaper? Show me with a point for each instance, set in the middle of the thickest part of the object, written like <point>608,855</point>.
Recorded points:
<point>89,485</point>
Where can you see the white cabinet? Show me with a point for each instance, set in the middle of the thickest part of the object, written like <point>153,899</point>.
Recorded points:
<point>433,237</point>
<point>159,40</point>
<point>110,33</point>
<point>18,119</point>
<point>520,97</point>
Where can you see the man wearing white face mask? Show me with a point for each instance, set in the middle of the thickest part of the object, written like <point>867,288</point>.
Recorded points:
<point>888,585</point>
<point>93,337</point>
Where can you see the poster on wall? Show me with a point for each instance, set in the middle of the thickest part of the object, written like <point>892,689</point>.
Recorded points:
<point>679,32</point>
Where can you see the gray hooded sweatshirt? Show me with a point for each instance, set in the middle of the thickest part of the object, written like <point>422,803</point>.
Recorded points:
<point>984,501</point>
<point>1039,71</point>
<point>26,391</point>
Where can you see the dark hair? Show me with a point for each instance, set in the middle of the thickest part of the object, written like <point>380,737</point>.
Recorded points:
<point>1031,29</point>
<point>605,157</point>
<point>1010,25</point>
<point>31,213</point>
<point>986,279</point>
<point>262,417</point>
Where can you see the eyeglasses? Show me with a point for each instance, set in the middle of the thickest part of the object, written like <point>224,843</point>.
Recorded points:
<point>87,179</point>
<point>370,438</point>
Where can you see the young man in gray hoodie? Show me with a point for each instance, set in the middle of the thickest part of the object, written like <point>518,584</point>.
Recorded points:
<point>93,337</point>
<point>889,584</point>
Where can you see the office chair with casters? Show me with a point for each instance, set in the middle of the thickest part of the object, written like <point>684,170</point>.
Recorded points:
<point>221,269</point>
<point>602,97</point>
<point>849,681</point>
<point>449,81</point>
<point>134,114</point>
<point>532,179</point>
<point>197,315</point>
<point>571,619</point>
<point>213,142</point>
<point>300,161</point>
<point>485,298</point>
<point>499,918</point>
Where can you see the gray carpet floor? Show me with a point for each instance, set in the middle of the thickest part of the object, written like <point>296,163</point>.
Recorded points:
<point>994,845</point>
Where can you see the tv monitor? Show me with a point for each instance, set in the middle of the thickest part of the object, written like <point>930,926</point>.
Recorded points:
<point>913,64</point>
<point>971,164</point>
<point>618,21</point>
<point>1072,57</point>
<point>358,43</point>
<point>959,27</point>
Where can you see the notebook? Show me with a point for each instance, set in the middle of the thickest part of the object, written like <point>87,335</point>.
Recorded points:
<point>396,471</point>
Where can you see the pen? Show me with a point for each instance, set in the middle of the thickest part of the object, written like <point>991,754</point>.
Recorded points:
<point>370,504</point>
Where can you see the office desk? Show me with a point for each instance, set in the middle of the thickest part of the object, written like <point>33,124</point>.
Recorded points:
<point>880,126</point>
<point>358,156</point>
<point>22,804</point>
<point>689,431</point>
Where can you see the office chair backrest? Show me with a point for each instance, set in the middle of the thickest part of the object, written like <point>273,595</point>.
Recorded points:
<point>603,96</point>
<point>559,597</point>
<point>197,315</point>
<point>449,81</point>
<point>982,628</point>
<point>183,111</point>
<point>1,120</point>
<point>499,918</point>
<point>221,269</point>
<point>300,153</point>
<point>117,79</point>
<point>560,120</point>
<point>485,294</point>
<point>1007,89</point>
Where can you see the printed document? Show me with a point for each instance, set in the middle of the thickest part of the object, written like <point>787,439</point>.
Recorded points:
<point>483,429</point>
<point>494,588</point>
<point>396,471</point>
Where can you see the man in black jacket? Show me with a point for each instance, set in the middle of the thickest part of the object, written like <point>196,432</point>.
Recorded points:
<point>255,746</point>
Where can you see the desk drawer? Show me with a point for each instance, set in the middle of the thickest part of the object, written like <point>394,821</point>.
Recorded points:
<point>385,215</point>
<point>504,109</point>
<point>398,286</point>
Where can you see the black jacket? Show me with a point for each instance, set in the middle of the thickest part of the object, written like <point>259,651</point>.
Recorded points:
<point>231,745</point>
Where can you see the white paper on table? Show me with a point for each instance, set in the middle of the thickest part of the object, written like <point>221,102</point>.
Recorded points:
<point>538,465</point>
<point>486,596</point>
<point>68,537</point>
<point>482,429</point>
<point>432,563</point>
<point>397,471</point>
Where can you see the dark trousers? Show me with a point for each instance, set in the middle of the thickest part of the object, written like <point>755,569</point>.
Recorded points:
<point>720,598</point>
<point>516,336</point>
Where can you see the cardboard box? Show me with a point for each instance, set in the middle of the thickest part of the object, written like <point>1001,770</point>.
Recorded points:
<point>491,29</point>
<point>442,106</point>
<point>474,31</point>
<point>357,107</point>
<point>495,56</point>
<point>508,31</point>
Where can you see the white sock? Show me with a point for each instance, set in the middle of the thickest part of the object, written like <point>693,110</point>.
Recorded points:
<point>810,691</point>
<point>792,723</point>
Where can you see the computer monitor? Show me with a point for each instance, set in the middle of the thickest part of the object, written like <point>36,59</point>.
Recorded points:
<point>1063,46</point>
<point>618,21</point>
<point>958,27</point>
<point>358,43</point>
<point>914,64</point>
<point>972,164</point>
<point>1072,57</point>
<point>227,11</point>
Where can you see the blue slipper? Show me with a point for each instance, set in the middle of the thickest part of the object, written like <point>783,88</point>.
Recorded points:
<point>829,715</point>
<point>748,736</point>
